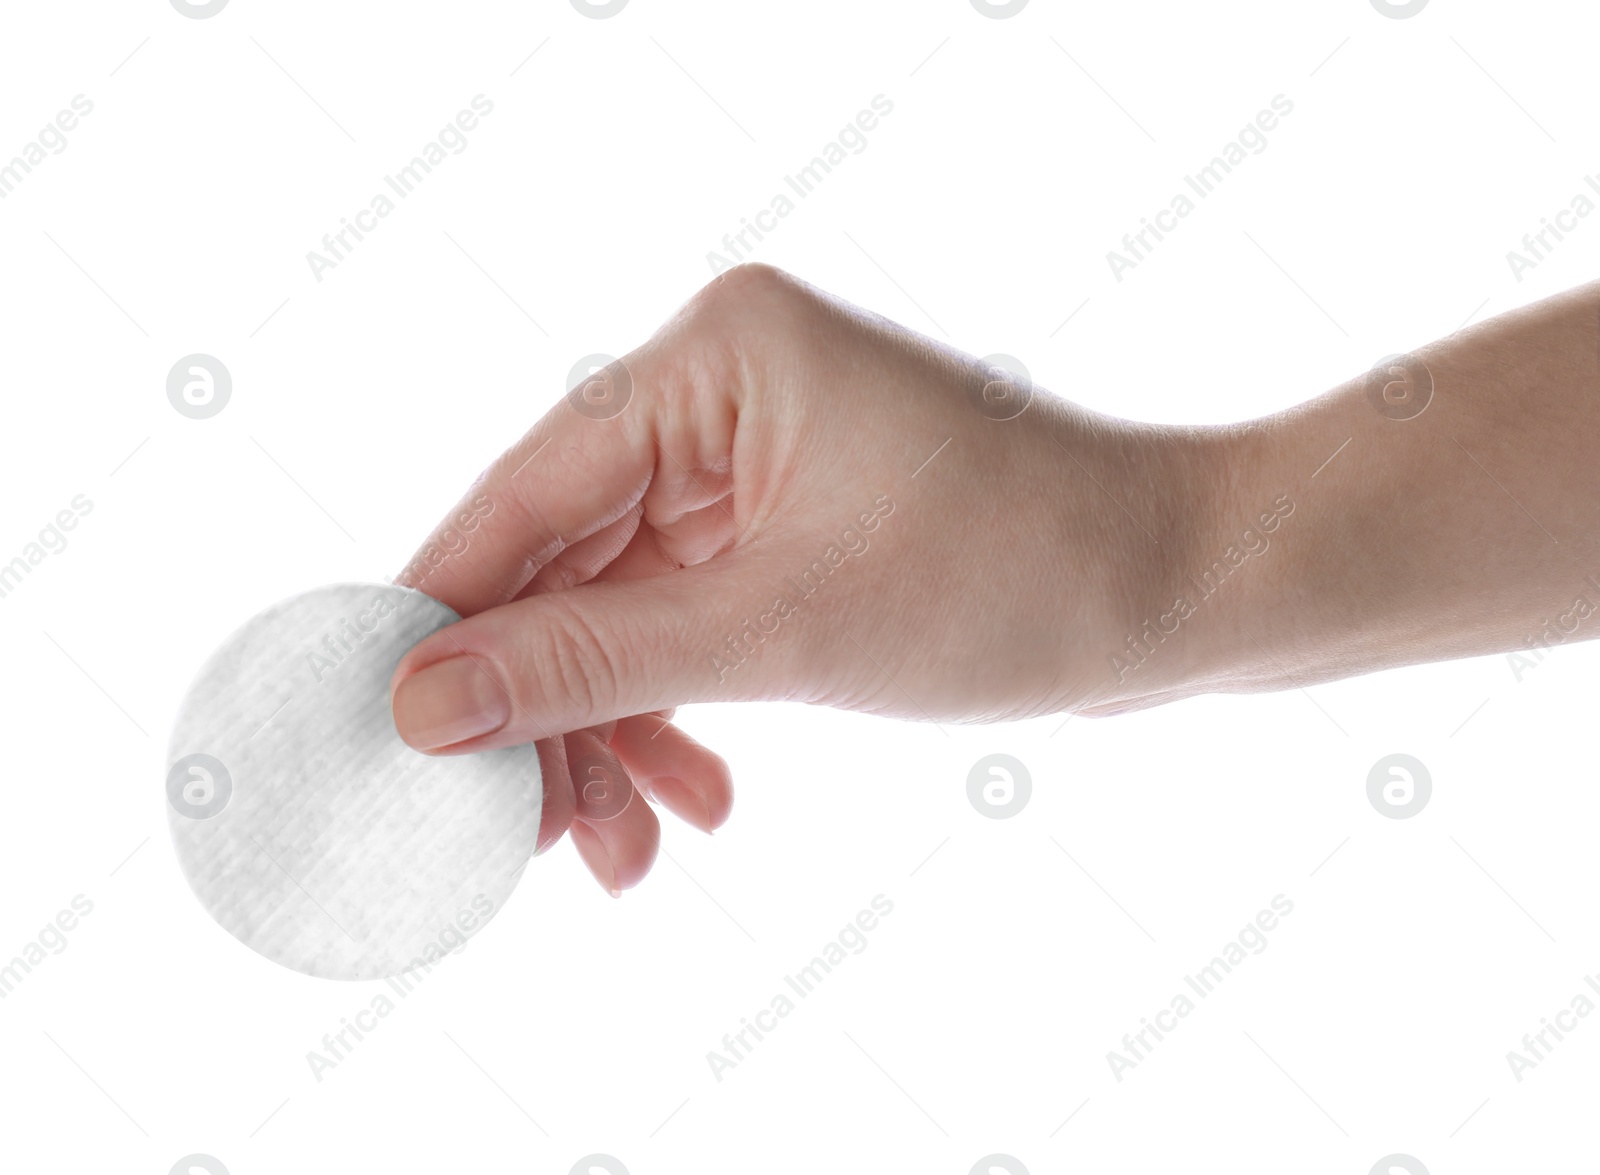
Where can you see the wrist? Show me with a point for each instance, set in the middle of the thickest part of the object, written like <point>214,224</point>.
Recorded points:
<point>1216,549</point>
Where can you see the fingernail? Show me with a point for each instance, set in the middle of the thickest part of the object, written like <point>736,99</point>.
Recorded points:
<point>682,801</point>
<point>449,702</point>
<point>593,851</point>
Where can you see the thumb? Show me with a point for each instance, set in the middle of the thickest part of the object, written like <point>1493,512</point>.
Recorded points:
<point>562,661</point>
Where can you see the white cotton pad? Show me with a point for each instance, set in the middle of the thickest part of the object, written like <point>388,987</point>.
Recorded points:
<point>306,827</point>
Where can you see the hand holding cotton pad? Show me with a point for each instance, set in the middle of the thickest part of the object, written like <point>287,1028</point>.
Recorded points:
<point>304,824</point>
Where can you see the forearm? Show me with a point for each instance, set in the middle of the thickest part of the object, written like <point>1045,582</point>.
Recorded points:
<point>1455,531</point>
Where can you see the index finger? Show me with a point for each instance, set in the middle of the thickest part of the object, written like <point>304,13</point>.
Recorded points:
<point>584,465</point>
<point>594,456</point>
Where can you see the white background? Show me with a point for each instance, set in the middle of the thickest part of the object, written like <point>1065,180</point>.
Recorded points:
<point>978,1019</point>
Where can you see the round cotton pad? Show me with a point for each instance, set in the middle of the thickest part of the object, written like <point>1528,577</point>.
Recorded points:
<point>304,824</point>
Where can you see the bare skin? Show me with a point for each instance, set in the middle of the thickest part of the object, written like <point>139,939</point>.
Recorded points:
<point>803,501</point>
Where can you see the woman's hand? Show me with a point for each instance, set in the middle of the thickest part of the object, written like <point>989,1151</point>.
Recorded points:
<point>780,496</point>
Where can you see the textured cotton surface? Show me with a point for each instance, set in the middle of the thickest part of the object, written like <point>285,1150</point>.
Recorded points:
<point>306,827</point>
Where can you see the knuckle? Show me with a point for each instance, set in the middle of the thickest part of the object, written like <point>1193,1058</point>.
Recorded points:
<point>749,279</point>
<point>746,293</point>
<point>730,331</point>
